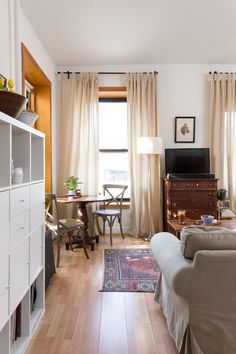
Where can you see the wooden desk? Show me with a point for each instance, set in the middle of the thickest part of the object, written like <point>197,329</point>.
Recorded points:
<point>174,228</point>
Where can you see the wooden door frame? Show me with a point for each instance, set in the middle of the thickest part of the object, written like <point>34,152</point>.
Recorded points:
<point>32,72</point>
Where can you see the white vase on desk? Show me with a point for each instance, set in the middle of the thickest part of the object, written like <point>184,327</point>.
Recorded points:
<point>18,175</point>
<point>71,192</point>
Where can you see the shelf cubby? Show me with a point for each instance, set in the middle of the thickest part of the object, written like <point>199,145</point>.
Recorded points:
<point>20,343</point>
<point>37,158</point>
<point>21,151</point>
<point>37,308</point>
<point>5,157</point>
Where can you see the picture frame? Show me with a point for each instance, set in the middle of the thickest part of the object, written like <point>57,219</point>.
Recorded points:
<point>184,129</point>
<point>5,81</point>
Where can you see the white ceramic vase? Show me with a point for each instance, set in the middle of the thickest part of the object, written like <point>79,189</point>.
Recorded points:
<point>18,175</point>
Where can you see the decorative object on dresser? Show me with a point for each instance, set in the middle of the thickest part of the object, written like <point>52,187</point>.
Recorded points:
<point>196,196</point>
<point>221,194</point>
<point>21,234</point>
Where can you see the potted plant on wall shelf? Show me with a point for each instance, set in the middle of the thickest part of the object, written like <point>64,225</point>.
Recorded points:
<point>71,184</point>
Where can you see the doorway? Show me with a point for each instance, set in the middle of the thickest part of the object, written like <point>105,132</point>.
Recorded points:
<point>37,87</point>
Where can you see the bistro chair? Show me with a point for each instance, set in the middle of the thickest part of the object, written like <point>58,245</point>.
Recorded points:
<point>116,192</point>
<point>61,227</point>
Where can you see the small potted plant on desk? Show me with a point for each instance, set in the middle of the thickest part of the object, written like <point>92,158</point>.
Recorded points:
<point>71,185</point>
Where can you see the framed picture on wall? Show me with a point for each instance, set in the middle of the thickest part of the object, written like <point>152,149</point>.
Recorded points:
<point>184,129</point>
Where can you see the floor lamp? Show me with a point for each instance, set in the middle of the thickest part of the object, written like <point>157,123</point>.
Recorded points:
<point>149,146</point>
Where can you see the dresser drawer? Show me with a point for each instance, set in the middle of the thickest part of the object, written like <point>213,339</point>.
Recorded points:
<point>19,228</point>
<point>4,207</point>
<point>193,195</point>
<point>19,200</point>
<point>37,205</point>
<point>4,239</point>
<point>194,203</point>
<point>4,290</point>
<point>193,185</point>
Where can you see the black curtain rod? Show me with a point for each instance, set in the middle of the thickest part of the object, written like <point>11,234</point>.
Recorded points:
<point>220,72</point>
<point>101,73</point>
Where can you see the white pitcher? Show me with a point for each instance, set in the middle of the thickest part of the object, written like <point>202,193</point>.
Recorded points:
<point>18,175</point>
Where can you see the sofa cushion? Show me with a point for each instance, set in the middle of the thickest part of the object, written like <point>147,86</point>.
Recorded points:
<point>196,238</point>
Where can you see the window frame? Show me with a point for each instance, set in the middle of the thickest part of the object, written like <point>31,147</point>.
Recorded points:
<point>109,95</point>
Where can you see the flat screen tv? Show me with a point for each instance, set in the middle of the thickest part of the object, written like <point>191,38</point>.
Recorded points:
<point>187,160</point>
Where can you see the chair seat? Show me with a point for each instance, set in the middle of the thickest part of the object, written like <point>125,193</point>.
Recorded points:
<point>107,212</point>
<point>71,223</point>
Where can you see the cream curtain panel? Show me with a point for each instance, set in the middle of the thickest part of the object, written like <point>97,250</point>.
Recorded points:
<point>79,130</point>
<point>145,195</point>
<point>223,130</point>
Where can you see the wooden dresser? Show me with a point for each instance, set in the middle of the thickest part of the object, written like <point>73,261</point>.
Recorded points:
<point>196,196</point>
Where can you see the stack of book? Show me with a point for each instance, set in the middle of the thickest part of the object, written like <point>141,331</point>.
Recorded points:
<point>33,296</point>
<point>16,324</point>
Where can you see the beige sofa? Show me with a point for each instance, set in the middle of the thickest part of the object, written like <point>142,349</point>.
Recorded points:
<point>197,288</point>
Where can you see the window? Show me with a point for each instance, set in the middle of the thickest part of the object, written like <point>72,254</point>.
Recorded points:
<point>113,142</point>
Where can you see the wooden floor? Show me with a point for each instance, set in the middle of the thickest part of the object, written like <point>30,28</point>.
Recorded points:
<point>81,320</point>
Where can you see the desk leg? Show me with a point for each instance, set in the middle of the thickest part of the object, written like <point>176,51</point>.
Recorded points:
<point>83,216</point>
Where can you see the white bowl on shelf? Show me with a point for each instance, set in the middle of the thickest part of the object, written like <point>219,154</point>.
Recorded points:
<point>28,118</point>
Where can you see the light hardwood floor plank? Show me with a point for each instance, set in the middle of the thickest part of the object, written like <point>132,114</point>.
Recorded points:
<point>81,320</point>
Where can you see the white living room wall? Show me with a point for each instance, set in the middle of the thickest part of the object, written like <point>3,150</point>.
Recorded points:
<point>18,30</point>
<point>183,90</point>
<point>4,39</point>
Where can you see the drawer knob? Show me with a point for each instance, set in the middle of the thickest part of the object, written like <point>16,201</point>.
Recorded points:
<point>209,193</point>
<point>197,185</point>
<point>22,200</point>
<point>187,185</point>
<point>22,227</point>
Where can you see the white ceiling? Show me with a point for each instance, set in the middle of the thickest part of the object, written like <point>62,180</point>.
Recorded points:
<point>109,32</point>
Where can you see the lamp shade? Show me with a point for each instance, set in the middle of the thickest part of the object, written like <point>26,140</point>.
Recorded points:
<point>149,145</point>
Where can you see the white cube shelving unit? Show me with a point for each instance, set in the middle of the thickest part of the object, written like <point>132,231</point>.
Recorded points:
<point>21,233</point>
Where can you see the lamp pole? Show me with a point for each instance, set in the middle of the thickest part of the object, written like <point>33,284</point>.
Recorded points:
<point>149,146</point>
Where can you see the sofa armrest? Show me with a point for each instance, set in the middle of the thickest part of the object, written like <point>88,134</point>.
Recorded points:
<point>166,249</point>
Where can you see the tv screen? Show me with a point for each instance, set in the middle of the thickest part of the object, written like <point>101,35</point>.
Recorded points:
<point>187,160</point>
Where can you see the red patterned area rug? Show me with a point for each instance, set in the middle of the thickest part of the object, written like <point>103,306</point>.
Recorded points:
<point>130,270</point>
